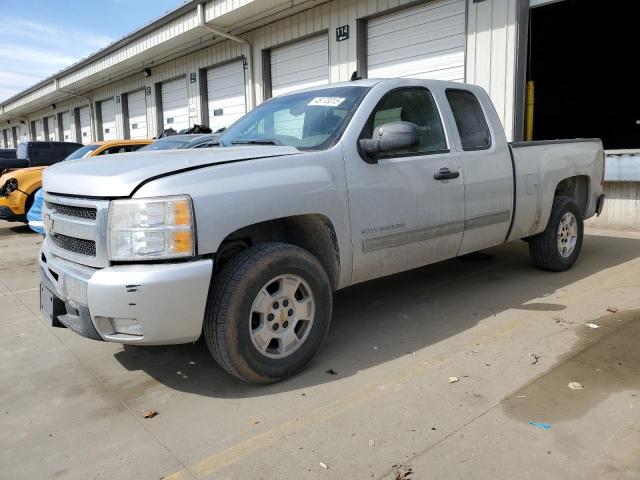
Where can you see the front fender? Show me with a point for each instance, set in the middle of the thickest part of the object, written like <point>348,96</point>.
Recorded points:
<point>232,196</point>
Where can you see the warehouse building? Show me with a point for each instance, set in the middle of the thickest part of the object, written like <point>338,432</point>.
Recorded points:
<point>551,67</point>
<point>207,62</point>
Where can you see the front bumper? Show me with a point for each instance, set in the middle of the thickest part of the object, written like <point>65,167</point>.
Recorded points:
<point>12,207</point>
<point>166,300</point>
<point>10,216</point>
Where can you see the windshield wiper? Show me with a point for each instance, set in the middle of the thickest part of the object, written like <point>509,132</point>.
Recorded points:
<point>256,141</point>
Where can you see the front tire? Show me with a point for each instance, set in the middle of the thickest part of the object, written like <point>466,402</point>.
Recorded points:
<point>267,313</point>
<point>557,248</point>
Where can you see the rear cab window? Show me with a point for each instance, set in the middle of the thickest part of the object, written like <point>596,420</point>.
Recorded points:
<point>470,120</point>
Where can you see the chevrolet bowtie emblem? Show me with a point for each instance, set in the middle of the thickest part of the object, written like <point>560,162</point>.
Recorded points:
<point>48,222</point>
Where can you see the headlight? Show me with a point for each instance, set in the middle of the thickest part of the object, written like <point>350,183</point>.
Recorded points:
<point>151,228</point>
<point>9,187</point>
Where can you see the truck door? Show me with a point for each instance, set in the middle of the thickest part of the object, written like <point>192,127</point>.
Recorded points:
<point>488,173</point>
<point>406,208</point>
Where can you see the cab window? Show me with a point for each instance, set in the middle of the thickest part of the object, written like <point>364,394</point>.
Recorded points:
<point>415,105</point>
<point>470,120</point>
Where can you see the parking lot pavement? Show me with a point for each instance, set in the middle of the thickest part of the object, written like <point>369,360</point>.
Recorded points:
<point>514,338</point>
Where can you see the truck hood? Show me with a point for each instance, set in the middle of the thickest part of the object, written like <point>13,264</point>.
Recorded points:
<point>118,175</point>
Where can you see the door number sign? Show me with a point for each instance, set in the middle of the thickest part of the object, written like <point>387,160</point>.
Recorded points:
<point>342,33</point>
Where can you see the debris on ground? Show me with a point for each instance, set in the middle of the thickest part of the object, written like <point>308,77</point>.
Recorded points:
<point>544,426</point>
<point>331,371</point>
<point>560,320</point>
<point>150,413</point>
<point>372,443</point>
<point>324,465</point>
<point>592,325</point>
<point>612,309</point>
<point>453,379</point>
<point>534,359</point>
<point>521,396</point>
<point>575,386</point>
<point>255,422</point>
<point>403,471</point>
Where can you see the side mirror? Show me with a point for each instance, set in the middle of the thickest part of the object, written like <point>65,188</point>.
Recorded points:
<point>389,137</point>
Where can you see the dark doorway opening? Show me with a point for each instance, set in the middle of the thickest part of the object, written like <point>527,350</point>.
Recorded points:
<point>584,61</point>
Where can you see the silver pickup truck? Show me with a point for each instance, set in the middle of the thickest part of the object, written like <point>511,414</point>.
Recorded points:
<point>309,193</point>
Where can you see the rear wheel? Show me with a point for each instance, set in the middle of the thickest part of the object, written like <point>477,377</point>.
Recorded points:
<point>557,248</point>
<point>268,311</point>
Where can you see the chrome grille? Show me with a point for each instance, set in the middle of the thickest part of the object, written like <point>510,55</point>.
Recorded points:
<point>73,211</point>
<point>75,245</point>
<point>77,229</point>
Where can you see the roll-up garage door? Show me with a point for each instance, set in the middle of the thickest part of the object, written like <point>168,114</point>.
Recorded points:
<point>419,42</point>
<point>39,130</point>
<point>137,108</point>
<point>66,127</point>
<point>108,114</point>
<point>226,94</point>
<point>85,125</point>
<point>300,65</point>
<point>175,104</point>
<point>50,128</point>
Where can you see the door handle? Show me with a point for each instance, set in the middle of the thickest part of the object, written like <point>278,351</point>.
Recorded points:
<point>445,174</point>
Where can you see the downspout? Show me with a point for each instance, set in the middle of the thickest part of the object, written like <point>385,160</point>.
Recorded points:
<point>92,115</point>
<point>235,38</point>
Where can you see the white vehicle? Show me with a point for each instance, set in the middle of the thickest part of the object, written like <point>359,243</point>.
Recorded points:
<point>308,193</point>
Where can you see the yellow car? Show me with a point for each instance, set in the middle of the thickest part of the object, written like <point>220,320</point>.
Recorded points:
<point>17,187</point>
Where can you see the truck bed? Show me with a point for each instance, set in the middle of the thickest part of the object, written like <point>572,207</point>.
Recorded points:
<point>540,167</point>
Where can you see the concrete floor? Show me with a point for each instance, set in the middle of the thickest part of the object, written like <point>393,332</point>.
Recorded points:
<point>514,336</point>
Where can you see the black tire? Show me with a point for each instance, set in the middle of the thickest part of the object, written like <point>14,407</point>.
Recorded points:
<point>231,296</point>
<point>543,247</point>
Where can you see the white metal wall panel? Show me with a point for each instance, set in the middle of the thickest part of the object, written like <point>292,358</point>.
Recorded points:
<point>427,41</point>
<point>226,94</point>
<point>51,128</point>
<point>85,125</point>
<point>137,106</point>
<point>39,130</point>
<point>66,127</point>
<point>175,104</point>
<point>300,65</point>
<point>108,112</point>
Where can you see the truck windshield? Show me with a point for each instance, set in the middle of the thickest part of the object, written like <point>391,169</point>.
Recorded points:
<point>311,120</point>
<point>83,152</point>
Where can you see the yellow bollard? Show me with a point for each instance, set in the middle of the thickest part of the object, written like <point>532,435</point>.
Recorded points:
<point>529,111</point>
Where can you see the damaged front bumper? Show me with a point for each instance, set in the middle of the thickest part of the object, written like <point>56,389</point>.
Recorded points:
<point>150,304</point>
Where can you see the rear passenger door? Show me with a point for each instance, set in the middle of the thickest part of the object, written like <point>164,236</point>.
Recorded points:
<point>405,211</point>
<point>488,172</point>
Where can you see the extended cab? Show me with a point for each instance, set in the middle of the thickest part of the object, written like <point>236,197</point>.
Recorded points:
<point>18,187</point>
<point>308,193</point>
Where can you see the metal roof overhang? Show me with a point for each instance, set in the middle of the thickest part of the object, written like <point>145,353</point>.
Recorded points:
<point>252,15</point>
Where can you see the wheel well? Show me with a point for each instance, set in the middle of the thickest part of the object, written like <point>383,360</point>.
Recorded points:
<point>313,232</point>
<point>577,188</point>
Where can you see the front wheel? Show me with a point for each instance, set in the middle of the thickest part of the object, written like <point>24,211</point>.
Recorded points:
<point>268,311</point>
<point>557,248</point>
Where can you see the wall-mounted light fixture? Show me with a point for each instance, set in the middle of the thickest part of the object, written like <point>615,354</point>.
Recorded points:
<point>146,72</point>
<point>53,106</point>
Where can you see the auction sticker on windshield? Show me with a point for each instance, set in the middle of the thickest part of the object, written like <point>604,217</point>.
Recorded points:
<point>326,101</point>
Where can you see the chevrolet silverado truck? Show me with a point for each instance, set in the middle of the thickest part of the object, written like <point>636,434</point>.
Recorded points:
<point>308,193</point>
